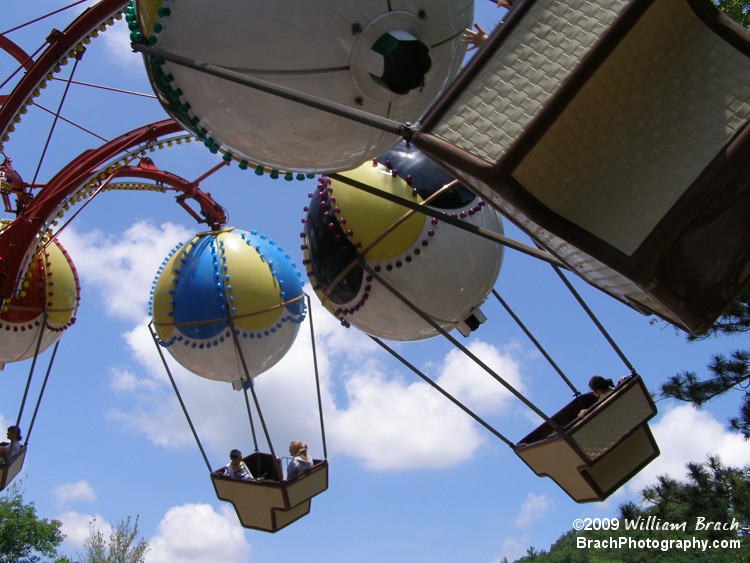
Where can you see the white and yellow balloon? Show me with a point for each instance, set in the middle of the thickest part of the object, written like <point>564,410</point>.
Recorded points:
<point>445,271</point>
<point>44,306</point>
<point>390,59</point>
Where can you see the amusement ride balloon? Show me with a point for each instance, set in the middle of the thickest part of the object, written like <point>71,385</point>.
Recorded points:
<point>445,271</point>
<point>390,59</point>
<point>228,301</point>
<point>45,304</point>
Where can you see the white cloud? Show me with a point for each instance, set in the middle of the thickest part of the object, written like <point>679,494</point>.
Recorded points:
<point>686,434</point>
<point>196,533</point>
<point>286,393</point>
<point>513,548</point>
<point>77,527</point>
<point>190,533</point>
<point>125,381</point>
<point>391,425</point>
<point>386,422</point>
<point>73,492</point>
<point>471,384</point>
<point>123,267</point>
<point>381,420</point>
<point>117,42</point>
<point>533,508</point>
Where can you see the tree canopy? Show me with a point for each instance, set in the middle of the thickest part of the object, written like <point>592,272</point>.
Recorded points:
<point>123,545</point>
<point>25,538</point>
<point>712,492</point>
<point>725,373</point>
<point>738,10</point>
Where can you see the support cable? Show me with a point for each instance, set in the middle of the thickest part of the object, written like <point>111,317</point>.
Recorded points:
<point>405,130</point>
<point>250,382</point>
<point>31,369</point>
<point>595,320</point>
<point>461,347</point>
<point>250,417</point>
<point>317,377</point>
<point>41,394</point>
<point>179,397</point>
<point>444,217</point>
<point>54,122</point>
<point>275,459</point>
<point>40,18</point>
<point>539,347</point>
<point>450,397</point>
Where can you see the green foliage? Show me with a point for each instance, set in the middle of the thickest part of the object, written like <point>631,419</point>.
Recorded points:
<point>725,373</point>
<point>712,491</point>
<point>716,492</point>
<point>122,547</point>
<point>736,319</point>
<point>24,538</point>
<point>738,10</point>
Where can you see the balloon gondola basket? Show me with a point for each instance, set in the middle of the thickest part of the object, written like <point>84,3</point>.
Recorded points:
<point>269,504</point>
<point>12,467</point>
<point>598,452</point>
<point>641,189</point>
<point>234,314</point>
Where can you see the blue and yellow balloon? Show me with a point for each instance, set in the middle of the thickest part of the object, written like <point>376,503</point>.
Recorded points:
<point>227,304</point>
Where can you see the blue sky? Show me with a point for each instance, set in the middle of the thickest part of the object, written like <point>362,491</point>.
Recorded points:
<point>412,478</point>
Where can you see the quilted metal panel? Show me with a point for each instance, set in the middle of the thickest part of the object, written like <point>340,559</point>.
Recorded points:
<point>524,73</point>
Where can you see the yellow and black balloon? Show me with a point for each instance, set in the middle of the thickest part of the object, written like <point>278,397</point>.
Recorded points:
<point>445,271</point>
<point>44,306</point>
<point>227,304</point>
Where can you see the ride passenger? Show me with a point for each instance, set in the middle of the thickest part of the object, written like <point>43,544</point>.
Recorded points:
<point>236,468</point>
<point>301,461</point>
<point>10,449</point>
<point>477,37</point>
<point>600,387</point>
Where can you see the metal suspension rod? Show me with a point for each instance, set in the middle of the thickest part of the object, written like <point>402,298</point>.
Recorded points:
<point>22,65</point>
<point>265,430</point>
<point>536,343</point>
<point>474,229</point>
<point>455,401</point>
<point>388,125</point>
<point>250,417</point>
<point>31,369</point>
<point>54,122</point>
<point>595,320</point>
<point>251,385</point>
<point>110,89</point>
<point>317,377</point>
<point>461,347</point>
<point>179,397</point>
<point>208,173</point>
<point>69,122</point>
<point>41,393</point>
<point>45,16</point>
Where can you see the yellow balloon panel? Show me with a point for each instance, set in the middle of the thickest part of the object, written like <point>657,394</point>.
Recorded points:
<point>381,228</point>
<point>254,291</point>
